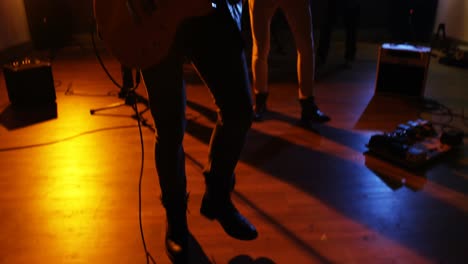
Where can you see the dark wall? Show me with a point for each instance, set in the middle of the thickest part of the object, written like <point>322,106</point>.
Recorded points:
<point>401,20</point>
<point>412,20</point>
<point>52,23</point>
<point>49,23</point>
<point>381,15</point>
<point>82,15</point>
<point>374,13</point>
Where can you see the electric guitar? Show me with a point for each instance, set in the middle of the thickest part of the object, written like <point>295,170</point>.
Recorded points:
<point>139,33</point>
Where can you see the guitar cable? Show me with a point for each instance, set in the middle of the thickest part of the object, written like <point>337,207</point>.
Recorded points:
<point>134,106</point>
<point>140,181</point>
<point>96,53</point>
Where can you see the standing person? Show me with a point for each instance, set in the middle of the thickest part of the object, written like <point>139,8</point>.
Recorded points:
<point>349,10</point>
<point>298,15</point>
<point>214,44</point>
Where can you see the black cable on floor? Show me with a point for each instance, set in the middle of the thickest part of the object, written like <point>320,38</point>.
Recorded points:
<point>148,254</point>
<point>436,108</point>
<point>140,120</point>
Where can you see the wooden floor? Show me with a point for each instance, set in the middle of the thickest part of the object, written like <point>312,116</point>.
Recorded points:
<point>70,183</point>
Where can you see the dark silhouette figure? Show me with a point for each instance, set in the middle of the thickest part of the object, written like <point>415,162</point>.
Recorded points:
<point>349,11</point>
<point>214,45</point>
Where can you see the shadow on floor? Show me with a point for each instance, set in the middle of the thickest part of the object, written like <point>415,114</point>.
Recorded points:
<point>336,182</point>
<point>18,117</point>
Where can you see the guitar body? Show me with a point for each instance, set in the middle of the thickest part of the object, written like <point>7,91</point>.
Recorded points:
<point>139,33</point>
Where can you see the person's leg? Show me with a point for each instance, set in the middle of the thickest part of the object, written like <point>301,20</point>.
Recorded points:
<point>326,30</point>
<point>166,96</point>
<point>351,16</point>
<point>218,55</point>
<point>299,17</point>
<point>261,13</point>
<point>300,22</point>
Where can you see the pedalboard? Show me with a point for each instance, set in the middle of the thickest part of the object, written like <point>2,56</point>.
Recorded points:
<point>414,144</point>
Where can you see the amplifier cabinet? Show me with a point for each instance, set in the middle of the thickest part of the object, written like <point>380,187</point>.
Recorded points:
<point>29,83</point>
<point>402,69</point>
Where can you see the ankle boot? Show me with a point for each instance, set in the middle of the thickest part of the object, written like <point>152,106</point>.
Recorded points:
<point>177,233</point>
<point>260,106</point>
<point>230,219</point>
<point>217,205</point>
<point>310,112</point>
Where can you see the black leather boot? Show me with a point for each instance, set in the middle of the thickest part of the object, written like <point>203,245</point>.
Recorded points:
<point>232,221</point>
<point>177,233</point>
<point>217,205</point>
<point>260,106</point>
<point>310,112</point>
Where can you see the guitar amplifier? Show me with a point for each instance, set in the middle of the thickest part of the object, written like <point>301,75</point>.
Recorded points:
<point>402,69</point>
<point>29,83</point>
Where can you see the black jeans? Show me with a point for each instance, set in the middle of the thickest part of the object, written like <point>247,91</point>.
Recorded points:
<point>349,10</point>
<point>214,45</point>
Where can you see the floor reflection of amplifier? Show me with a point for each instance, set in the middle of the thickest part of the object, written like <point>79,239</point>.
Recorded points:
<point>29,83</point>
<point>402,69</point>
